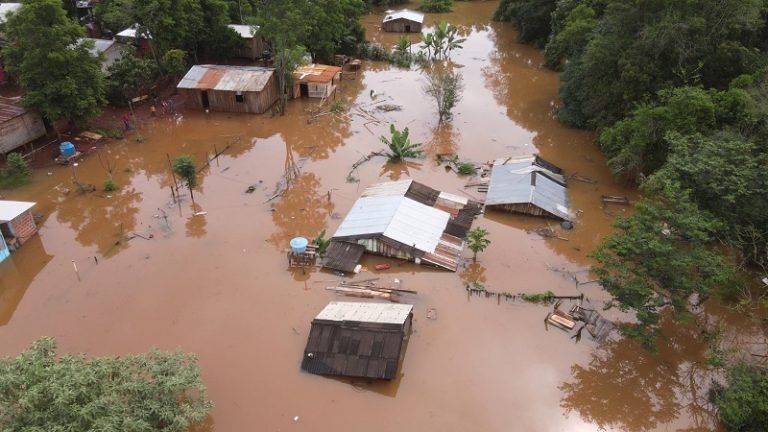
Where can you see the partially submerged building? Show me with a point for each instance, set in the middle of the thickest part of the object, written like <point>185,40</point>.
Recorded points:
<point>528,185</point>
<point>253,44</point>
<point>406,220</point>
<point>403,21</point>
<point>315,80</point>
<point>246,89</point>
<point>364,340</point>
<point>17,225</point>
<point>17,125</point>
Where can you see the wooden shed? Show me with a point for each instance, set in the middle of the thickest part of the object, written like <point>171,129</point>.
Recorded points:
<point>253,44</point>
<point>364,340</point>
<point>17,125</point>
<point>246,89</point>
<point>16,225</point>
<point>315,80</point>
<point>111,50</point>
<point>403,21</point>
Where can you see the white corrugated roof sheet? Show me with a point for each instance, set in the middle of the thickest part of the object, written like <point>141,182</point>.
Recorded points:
<point>404,14</point>
<point>5,8</point>
<point>10,210</point>
<point>395,188</point>
<point>226,78</point>
<point>130,32</point>
<point>519,181</point>
<point>382,313</point>
<point>245,31</point>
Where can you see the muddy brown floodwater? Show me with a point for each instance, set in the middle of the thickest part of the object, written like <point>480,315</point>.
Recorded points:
<point>217,284</point>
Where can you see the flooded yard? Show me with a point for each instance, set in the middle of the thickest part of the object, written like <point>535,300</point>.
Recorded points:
<point>217,283</point>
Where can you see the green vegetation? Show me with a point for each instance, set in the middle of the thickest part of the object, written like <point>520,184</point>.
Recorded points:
<point>184,167</point>
<point>111,133</point>
<point>59,76</point>
<point>545,297</point>
<point>322,243</point>
<point>338,106</point>
<point>463,168</point>
<point>440,43</point>
<point>156,391</point>
<point>400,146</point>
<point>477,240</point>
<point>127,74</point>
<point>109,185</point>
<point>445,88</point>
<point>16,172</point>
<point>531,17</point>
<point>436,6</point>
<point>742,403</point>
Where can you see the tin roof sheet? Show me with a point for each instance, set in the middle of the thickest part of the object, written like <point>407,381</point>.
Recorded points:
<point>395,188</point>
<point>10,210</point>
<point>245,31</point>
<point>382,313</point>
<point>315,73</point>
<point>520,181</point>
<point>130,32</point>
<point>5,8</point>
<point>226,78</point>
<point>10,108</point>
<point>369,215</point>
<point>404,14</point>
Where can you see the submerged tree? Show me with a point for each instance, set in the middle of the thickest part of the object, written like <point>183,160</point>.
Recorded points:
<point>156,391</point>
<point>445,88</point>
<point>742,403</point>
<point>477,240</point>
<point>400,145</point>
<point>184,167</point>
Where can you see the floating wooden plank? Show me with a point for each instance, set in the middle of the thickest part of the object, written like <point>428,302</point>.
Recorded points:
<point>560,320</point>
<point>615,199</point>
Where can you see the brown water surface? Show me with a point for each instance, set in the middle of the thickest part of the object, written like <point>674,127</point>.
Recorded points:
<point>216,283</point>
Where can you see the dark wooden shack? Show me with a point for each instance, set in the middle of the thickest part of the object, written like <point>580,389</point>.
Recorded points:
<point>403,21</point>
<point>364,340</point>
<point>245,89</point>
<point>253,44</point>
<point>17,125</point>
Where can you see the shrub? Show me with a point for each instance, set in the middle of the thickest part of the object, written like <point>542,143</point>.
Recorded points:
<point>109,185</point>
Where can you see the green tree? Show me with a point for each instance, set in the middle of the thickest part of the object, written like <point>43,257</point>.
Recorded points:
<point>578,26</point>
<point>445,88</point>
<point>531,17</point>
<point>156,391</point>
<point>16,172</point>
<point>59,76</point>
<point>477,240</point>
<point>174,62</point>
<point>126,76</point>
<point>184,167</point>
<point>400,145</point>
<point>436,6</point>
<point>742,404</point>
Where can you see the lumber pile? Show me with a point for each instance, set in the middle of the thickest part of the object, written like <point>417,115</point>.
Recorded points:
<point>369,290</point>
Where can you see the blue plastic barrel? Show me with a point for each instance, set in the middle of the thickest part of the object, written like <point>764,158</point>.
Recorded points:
<point>299,244</point>
<point>67,149</point>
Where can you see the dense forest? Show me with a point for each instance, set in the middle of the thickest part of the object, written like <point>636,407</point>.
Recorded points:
<point>678,94</point>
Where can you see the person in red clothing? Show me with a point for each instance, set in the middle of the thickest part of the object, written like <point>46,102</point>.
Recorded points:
<point>126,121</point>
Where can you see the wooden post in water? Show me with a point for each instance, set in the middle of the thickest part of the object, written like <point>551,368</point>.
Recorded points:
<point>216,153</point>
<point>173,174</point>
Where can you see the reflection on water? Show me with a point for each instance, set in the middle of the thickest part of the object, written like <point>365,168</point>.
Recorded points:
<point>302,211</point>
<point>17,272</point>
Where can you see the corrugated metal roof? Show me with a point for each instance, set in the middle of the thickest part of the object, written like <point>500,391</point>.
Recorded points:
<point>5,8</point>
<point>10,210</point>
<point>381,313</point>
<point>245,31</point>
<point>395,188</point>
<point>10,108</point>
<point>315,73</point>
<point>370,215</point>
<point>520,181</point>
<point>226,78</point>
<point>111,49</point>
<point>130,32</point>
<point>404,14</point>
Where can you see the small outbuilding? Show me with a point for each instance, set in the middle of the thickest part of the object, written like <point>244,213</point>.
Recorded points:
<point>403,21</point>
<point>253,44</point>
<point>111,50</point>
<point>528,185</point>
<point>245,89</point>
<point>141,40</point>
<point>315,80</point>
<point>364,340</point>
<point>405,220</point>
<point>16,225</point>
<point>17,125</point>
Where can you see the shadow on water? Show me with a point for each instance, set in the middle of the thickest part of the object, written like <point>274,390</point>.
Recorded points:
<point>17,272</point>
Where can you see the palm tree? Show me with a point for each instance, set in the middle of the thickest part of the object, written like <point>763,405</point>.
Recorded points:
<point>400,146</point>
<point>477,241</point>
<point>428,40</point>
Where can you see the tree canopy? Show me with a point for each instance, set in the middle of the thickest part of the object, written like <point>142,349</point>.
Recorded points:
<point>156,391</point>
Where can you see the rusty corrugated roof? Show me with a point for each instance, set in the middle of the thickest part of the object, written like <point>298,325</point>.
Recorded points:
<point>226,78</point>
<point>10,108</point>
<point>315,73</point>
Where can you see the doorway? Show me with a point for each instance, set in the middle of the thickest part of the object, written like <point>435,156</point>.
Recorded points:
<point>204,96</point>
<point>407,28</point>
<point>304,90</point>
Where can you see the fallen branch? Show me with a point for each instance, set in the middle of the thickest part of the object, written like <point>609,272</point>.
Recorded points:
<point>363,160</point>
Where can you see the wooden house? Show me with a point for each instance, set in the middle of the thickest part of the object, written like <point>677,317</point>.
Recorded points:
<point>246,89</point>
<point>364,340</point>
<point>253,44</point>
<point>405,220</point>
<point>17,125</point>
<point>111,51</point>
<point>403,21</point>
<point>528,185</point>
<point>16,225</point>
<point>141,40</point>
<point>315,80</point>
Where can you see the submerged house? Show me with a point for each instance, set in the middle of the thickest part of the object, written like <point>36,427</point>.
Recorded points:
<point>17,125</point>
<point>253,44</point>
<point>406,220</point>
<point>528,185</point>
<point>16,225</point>
<point>315,80</point>
<point>403,21</point>
<point>364,340</point>
<point>245,89</point>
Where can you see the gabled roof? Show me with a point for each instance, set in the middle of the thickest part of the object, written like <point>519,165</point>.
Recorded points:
<point>10,210</point>
<point>245,31</point>
<point>226,78</point>
<point>5,8</point>
<point>315,73</point>
<point>528,180</point>
<point>404,14</point>
<point>130,32</point>
<point>111,49</point>
<point>380,313</point>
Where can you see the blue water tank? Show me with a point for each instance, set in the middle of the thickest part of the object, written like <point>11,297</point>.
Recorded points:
<point>67,149</point>
<point>299,244</point>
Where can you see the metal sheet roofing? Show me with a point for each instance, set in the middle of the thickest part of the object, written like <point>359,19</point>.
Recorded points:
<point>226,78</point>
<point>404,14</point>
<point>315,73</point>
<point>10,210</point>
<point>395,188</point>
<point>10,108</point>
<point>130,32</point>
<point>245,31</point>
<point>370,215</point>
<point>521,181</point>
<point>381,313</point>
<point>5,8</point>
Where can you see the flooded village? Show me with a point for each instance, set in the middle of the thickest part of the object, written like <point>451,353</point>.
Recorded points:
<point>463,344</point>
